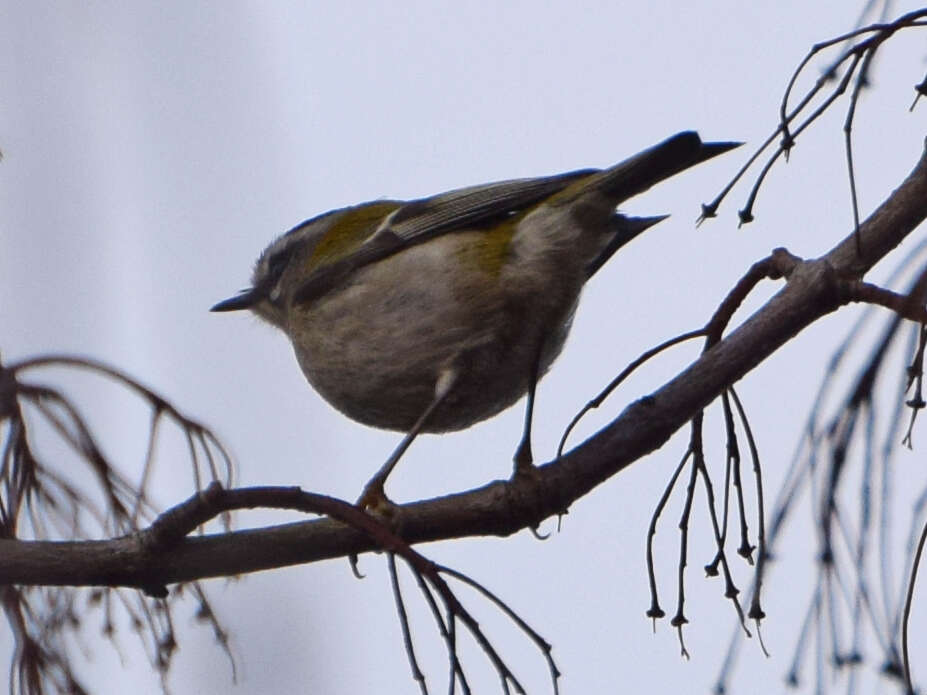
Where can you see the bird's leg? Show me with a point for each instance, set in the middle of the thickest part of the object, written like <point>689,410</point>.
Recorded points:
<point>523,457</point>
<point>524,464</point>
<point>374,497</point>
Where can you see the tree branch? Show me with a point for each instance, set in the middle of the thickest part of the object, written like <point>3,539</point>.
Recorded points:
<point>814,288</point>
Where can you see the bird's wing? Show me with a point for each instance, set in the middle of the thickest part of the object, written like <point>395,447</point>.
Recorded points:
<point>479,206</point>
<point>419,220</point>
<point>475,206</point>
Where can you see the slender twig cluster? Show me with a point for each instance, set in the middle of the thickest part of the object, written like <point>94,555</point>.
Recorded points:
<point>175,524</point>
<point>40,500</point>
<point>33,493</point>
<point>858,48</point>
<point>852,66</point>
<point>846,575</point>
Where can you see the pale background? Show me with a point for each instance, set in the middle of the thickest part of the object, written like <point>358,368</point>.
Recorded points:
<point>151,150</point>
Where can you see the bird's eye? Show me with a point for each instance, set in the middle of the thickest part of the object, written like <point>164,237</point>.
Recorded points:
<point>276,265</point>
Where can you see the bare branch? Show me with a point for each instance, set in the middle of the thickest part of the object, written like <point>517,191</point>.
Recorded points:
<point>814,289</point>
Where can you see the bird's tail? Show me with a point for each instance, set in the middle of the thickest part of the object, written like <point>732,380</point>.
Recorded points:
<point>635,175</point>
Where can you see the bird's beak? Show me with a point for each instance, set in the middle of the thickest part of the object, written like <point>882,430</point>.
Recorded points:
<point>243,300</point>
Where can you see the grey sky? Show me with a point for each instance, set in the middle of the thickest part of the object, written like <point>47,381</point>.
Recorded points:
<point>152,150</point>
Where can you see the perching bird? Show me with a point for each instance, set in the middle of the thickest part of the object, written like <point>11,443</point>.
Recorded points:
<point>431,315</point>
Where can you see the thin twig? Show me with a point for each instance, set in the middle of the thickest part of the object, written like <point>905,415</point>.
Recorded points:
<point>909,600</point>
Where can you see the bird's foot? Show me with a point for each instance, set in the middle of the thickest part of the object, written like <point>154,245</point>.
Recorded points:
<point>523,459</point>
<point>375,502</point>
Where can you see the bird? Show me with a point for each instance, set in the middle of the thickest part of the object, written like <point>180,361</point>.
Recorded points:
<point>433,314</point>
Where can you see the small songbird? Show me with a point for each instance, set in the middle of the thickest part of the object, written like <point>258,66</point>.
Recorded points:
<point>431,315</point>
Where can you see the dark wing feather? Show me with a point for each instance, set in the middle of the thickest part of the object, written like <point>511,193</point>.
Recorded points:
<point>419,220</point>
<point>475,206</point>
<point>469,208</point>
